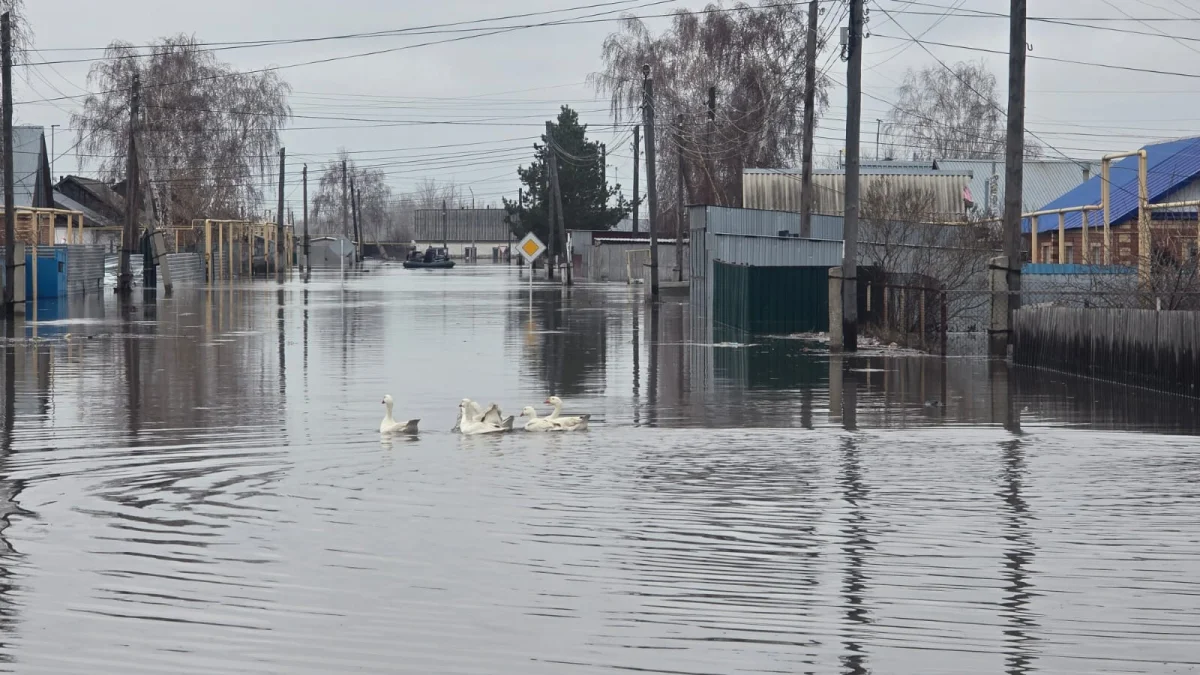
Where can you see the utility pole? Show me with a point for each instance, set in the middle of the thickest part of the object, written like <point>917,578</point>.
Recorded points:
<point>53,128</point>
<point>850,232</point>
<point>651,187</point>
<point>682,199</point>
<point>445,232</point>
<point>130,239</point>
<point>810,94</point>
<point>710,156</point>
<point>279,219</point>
<point>552,152</point>
<point>307,264</point>
<point>637,147</point>
<point>878,126</point>
<point>10,214</point>
<point>345,204</point>
<point>354,217</point>
<point>1014,168</point>
<point>357,204</point>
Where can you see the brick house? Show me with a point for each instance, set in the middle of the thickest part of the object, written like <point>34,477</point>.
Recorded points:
<point>1173,175</point>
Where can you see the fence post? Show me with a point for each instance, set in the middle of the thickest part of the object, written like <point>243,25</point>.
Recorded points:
<point>945,322</point>
<point>999,330</point>
<point>835,309</point>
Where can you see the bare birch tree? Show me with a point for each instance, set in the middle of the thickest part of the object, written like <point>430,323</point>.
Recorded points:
<point>377,216</point>
<point>755,59</point>
<point>912,256</point>
<point>954,113</point>
<point>208,134</point>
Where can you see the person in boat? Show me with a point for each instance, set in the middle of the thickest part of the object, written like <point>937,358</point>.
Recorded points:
<point>429,254</point>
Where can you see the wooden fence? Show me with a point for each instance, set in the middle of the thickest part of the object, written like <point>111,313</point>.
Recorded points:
<point>1141,347</point>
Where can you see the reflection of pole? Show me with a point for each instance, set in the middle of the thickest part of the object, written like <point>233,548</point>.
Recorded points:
<point>637,349</point>
<point>652,345</point>
<point>854,586</point>
<point>1017,560</point>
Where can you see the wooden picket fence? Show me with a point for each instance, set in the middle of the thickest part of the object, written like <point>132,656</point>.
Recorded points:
<point>1141,347</point>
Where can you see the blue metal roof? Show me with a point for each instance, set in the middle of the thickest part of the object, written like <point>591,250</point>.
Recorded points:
<point>1170,166</point>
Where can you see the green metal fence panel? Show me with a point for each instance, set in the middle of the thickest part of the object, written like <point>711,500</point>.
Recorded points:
<point>773,300</point>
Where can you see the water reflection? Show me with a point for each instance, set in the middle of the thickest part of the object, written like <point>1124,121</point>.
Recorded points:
<point>200,506</point>
<point>856,548</point>
<point>1018,560</point>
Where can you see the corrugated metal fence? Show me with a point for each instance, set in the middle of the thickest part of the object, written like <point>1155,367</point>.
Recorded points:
<point>460,225</point>
<point>771,299</point>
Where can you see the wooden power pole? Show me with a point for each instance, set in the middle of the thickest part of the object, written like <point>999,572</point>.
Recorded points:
<point>637,147</point>
<point>810,93</point>
<point>279,219</point>
<point>129,242</point>
<point>307,264</point>
<point>850,233</point>
<point>1014,168</point>
<point>682,198</point>
<point>555,205</point>
<point>345,203</point>
<point>651,182</point>
<point>10,215</point>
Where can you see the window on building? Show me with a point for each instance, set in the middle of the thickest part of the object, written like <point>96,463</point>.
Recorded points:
<point>1097,254</point>
<point>1047,253</point>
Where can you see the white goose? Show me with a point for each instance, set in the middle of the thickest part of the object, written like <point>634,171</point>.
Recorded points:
<point>476,413</point>
<point>493,416</point>
<point>471,427</point>
<point>579,423</point>
<point>391,426</point>
<point>536,423</point>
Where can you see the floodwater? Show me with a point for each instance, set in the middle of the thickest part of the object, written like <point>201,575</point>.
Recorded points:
<point>198,486</point>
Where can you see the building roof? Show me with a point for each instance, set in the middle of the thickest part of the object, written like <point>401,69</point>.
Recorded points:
<point>90,217</point>
<point>1044,180</point>
<point>879,169</point>
<point>31,170</point>
<point>100,190</point>
<point>1169,167</point>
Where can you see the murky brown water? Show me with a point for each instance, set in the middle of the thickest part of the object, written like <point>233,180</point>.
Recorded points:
<point>199,488</point>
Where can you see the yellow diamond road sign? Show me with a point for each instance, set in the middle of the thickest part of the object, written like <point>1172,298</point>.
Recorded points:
<point>531,247</point>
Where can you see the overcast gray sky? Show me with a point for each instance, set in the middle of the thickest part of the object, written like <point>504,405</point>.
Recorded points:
<point>522,77</point>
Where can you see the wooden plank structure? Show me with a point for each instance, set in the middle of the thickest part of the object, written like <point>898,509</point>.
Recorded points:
<point>1142,347</point>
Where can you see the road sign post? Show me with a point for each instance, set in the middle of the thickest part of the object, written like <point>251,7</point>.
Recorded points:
<point>531,248</point>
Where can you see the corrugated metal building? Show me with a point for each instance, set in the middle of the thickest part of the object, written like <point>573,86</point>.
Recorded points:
<point>621,256</point>
<point>460,226</point>
<point>1044,181</point>
<point>751,272</point>
<point>779,189</point>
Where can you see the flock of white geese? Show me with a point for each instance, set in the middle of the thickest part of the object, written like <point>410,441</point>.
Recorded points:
<point>474,420</point>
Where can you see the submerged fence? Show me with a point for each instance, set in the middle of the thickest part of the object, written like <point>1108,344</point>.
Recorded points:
<point>1143,347</point>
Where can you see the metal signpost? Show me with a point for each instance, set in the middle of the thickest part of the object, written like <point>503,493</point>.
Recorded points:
<point>531,248</point>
